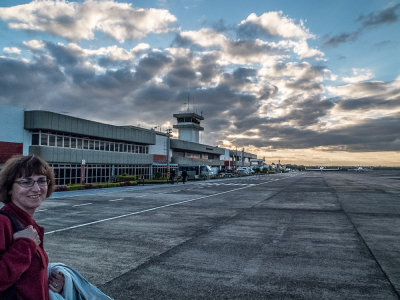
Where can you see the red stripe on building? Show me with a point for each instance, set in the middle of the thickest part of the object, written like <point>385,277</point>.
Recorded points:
<point>7,150</point>
<point>157,158</point>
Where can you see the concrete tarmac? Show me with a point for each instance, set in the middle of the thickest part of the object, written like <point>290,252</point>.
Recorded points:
<point>314,235</point>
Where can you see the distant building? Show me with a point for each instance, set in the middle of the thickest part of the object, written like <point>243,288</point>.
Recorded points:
<point>105,150</point>
<point>240,158</point>
<point>83,150</point>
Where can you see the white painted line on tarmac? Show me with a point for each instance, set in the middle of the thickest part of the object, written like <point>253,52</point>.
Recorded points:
<point>149,209</point>
<point>113,200</point>
<point>42,209</point>
<point>84,204</point>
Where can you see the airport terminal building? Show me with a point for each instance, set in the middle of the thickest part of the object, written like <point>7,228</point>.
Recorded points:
<point>80,149</point>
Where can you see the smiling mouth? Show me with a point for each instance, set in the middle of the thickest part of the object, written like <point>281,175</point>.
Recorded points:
<point>34,196</point>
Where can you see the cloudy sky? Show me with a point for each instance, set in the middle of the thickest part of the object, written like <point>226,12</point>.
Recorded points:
<point>305,82</point>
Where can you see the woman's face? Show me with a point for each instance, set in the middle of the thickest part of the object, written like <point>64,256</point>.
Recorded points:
<point>29,192</point>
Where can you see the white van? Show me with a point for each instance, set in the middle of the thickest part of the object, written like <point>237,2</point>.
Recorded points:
<point>244,171</point>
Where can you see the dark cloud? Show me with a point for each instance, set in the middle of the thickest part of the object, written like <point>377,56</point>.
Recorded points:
<point>336,40</point>
<point>368,103</point>
<point>22,82</point>
<point>239,77</point>
<point>300,113</point>
<point>63,55</point>
<point>389,15</point>
<point>209,68</point>
<point>309,111</point>
<point>251,30</point>
<point>249,48</point>
<point>370,135</point>
<point>379,134</point>
<point>268,92</point>
<point>154,102</point>
<point>180,41</point>
<point>308,81</point>
<point>181,73</point>
<point>151,65</point>
<point>180,77</point>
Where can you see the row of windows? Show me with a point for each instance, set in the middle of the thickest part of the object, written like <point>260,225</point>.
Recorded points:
<point>162,171</point>
<point>71,173</point>
<point>188,119</point>
<point>69,141</point>
<point>196,155</point>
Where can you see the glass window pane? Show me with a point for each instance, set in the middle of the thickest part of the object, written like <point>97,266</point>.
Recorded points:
<point>59,140</point>
<point>52,140</point>
<point>67,141</point>
<point>44,139</point>
<point>35,139</point>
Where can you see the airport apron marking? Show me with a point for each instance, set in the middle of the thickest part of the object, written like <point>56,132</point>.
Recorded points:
<point>151,209</point>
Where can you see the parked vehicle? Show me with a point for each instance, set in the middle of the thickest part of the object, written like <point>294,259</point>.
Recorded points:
<point>228,173</point>
<point>244,171</point>
<point>197,171</point>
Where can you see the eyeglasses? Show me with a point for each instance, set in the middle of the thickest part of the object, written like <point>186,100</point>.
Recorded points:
<point>27,183</point>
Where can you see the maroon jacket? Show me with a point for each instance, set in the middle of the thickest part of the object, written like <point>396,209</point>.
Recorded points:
<point>21,260</point>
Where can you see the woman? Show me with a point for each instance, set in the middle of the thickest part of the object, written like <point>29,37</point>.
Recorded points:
<point>25,182</point>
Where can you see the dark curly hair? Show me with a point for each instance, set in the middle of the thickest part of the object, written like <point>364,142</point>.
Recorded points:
<point>23,166</point>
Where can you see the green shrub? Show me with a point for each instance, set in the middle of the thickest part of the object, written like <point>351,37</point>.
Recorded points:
<point>113,184</point>
<point>125,178</point>
<point>75,187</point>
<point>157,181</point>
<point>158,175</point>
<point>61,188</point>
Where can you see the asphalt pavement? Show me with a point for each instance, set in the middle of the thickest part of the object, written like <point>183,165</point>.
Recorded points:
<point>313,235</point>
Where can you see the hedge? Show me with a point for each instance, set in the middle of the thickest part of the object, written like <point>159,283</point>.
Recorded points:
<point>88,186</point>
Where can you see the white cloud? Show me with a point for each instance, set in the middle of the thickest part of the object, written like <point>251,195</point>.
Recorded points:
<point>11,50</point>
<point>362,100</point>
<point>302,49</point>
<point>359,75</point>
<point>76,21</point>
<point>205,37</point>
<point>114,52</point>
<point>362,90</point>
<point>34,44</point>
<point>237,51</point>
<point>275,24</point>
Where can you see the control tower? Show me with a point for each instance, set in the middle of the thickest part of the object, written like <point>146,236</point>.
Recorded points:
<point>188,126</point>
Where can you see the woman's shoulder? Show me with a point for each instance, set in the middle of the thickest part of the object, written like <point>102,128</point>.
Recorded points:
<point>4,218</point>
<point>6,227</point>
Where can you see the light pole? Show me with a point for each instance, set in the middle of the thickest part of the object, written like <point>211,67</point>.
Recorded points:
<point>83,172</point>
<point>169,130</point>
